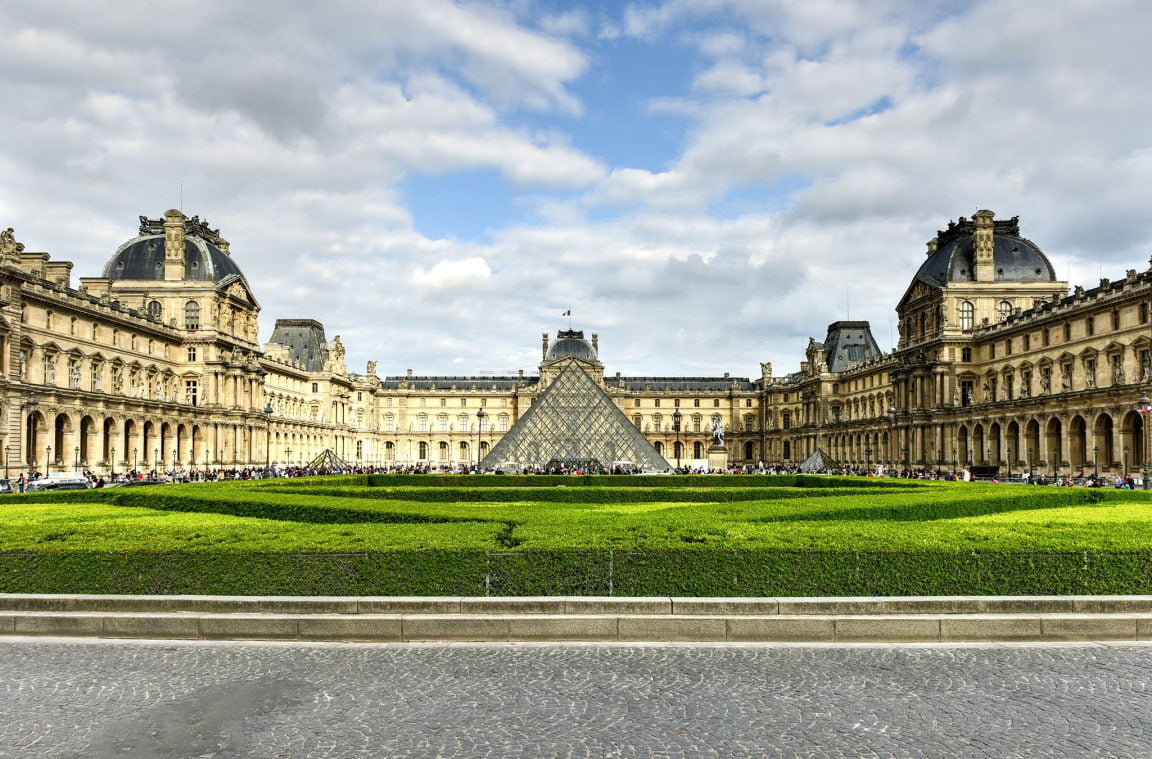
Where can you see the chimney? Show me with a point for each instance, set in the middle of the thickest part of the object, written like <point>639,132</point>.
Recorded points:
<point>983,261</point>
<point>544,346</point>
<point>409,372</point>
<point>174,245</point>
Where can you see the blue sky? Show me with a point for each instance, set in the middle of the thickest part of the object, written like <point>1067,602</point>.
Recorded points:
<point>698,180</point>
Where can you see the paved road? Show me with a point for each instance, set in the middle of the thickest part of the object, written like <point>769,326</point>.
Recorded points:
<point>102,699</point>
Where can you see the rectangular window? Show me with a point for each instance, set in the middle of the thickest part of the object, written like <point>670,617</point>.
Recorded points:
<point>315,387</point>
<point>443,402</point>
<point>503,424</point>
<point>716,403</point>
<point>991,350</point>
<point>966,392</point>
<point>966,355</point>
<point>1090,326</point>
<point>786,420</point>
<point>1046,337</point>
<point>748,403</point>
<point>191,389</point>
<point>191,354</point>
<point>1008,347</point>
<point>636,403</point>
<point>1028,342</point>
<point>676,403</point>
<point>696,403</point>
<point>1143,313</point>
<point>657,403</point>
<point>1067,331</point>
<point>1115,319</point>
<point>94,377</point>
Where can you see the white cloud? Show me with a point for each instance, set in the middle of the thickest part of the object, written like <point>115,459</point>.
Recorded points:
<point>464,273</point>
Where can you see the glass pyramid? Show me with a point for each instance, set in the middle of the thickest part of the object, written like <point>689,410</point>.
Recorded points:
<point>574,424</point>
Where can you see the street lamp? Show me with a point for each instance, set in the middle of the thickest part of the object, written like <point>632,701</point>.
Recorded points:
<point>868,457</point>
<point>677,417</point>
<point>135,451</point>
<point>1095,461</point>
<point>1144,406</point>
<point>892,438</point>
<point>6,461</point>
<point>1124,472</point>
<point>77,459</point>
<point>155,459</point>
<point>268,439</point>
<point>988,456</point>
<point>904,451</point>
<point>481,415</point>
<point>1030,462</point>
<point>48,459</point>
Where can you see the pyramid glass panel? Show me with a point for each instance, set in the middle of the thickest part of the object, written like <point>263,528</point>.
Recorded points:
<point>574,424</point>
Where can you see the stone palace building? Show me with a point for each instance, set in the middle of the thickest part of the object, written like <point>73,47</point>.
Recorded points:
<point>156,364</point>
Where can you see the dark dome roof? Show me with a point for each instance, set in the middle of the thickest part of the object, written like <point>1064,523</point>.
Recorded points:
<point>571,344</point>
<point>1015,259</point>
<point>143,258</point>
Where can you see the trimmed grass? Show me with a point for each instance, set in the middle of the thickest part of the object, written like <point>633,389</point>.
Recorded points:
<point>738,535</point>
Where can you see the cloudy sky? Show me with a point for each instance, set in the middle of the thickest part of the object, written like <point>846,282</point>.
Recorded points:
<point>705,183</point>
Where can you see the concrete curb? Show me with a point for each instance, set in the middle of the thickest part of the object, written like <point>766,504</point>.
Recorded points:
<point>894,628</point>
<point>968,619</point>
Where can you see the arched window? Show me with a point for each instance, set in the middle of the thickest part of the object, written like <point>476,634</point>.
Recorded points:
<point>422,453</point>
<point>1004,309</point>
<point>697,450</point>
<point>749,452</point>
<point>191,315</point>
<point>155,311</point>
<point>967,314</point>
<point>787,450</point>
<point>636,420</point>
<point>660,448</point>
<point>389,452</point>
<point>443,451</point>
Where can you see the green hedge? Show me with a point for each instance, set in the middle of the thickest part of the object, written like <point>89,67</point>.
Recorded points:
<point>576,494</point>
<point>635,481</point>
<point>670,573</point>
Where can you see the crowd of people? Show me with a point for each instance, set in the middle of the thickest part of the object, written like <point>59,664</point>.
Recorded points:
<point>220,474</point>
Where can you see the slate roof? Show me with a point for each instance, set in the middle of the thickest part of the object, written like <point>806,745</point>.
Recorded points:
<point>305,341</point>
<point>142,258</point>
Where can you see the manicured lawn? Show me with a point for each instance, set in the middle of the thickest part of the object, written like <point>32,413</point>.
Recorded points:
<point>739,535</point>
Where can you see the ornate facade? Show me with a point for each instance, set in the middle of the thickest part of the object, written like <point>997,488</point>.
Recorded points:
<point>156,364</point>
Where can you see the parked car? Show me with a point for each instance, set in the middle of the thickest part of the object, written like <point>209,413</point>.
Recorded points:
<point>49,483</point>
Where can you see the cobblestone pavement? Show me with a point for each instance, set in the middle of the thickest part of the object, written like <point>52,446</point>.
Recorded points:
<point>98,699</point>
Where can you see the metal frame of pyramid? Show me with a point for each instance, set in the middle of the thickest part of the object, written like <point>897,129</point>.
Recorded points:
<point>329,460</point>
<point>576,425</point>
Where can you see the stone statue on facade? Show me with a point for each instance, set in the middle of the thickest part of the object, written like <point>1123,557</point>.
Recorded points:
<point>1118,374</point>
<point>1090,379</point>
<point>49,370</point>
<point>1066,382</point>
<point>371,368</point>
<point>1045,383</point>
<point>22,365</point>
<point>74,377</point>
<point>9,248</point>
<point>717,431</point>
